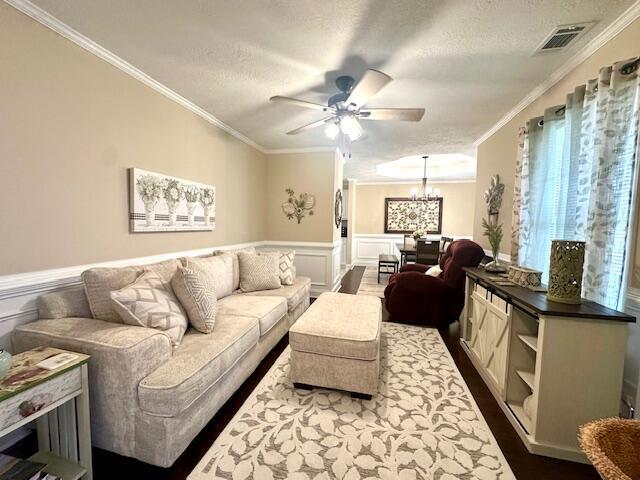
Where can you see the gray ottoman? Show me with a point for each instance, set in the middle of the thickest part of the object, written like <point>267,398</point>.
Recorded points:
<point>336,344</point>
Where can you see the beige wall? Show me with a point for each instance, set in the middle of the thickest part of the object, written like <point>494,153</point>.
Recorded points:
<point>457,206</point>
<point>313,173</point>
<point>498,153</point>
<point>70,126</point>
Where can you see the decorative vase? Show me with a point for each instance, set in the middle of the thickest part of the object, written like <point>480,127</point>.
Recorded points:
<point>191,208</point>
<point>149,213</point>
<point>207,210</point>
<point>5,363</point>
<point>172,213</point>
<point>566,263</point>
<point>495,265</point>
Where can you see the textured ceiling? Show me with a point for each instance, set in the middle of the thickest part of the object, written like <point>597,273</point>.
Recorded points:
<point>468,62</point>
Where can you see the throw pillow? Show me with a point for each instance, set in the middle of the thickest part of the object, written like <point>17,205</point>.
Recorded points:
<point>197,296</point>
<point>259,271</point>
<point>218,270</point>
<point>434,271</point>
<point>100,282</point>
<point>147,302</point>
<point>285,267</point>
<point>236,266</point>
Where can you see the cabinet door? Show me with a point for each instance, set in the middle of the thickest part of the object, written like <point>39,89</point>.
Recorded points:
<point>479,312</point>
<point>496,346</point>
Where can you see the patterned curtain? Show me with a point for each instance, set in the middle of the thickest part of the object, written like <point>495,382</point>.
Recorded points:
<point>575,179</point>
<point>606,163</point>
<point>522,162</point>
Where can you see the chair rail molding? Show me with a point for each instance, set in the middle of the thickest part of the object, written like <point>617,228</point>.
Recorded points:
<point>18,292</point>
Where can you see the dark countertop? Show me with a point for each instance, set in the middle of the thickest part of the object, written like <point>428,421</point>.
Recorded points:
<point>538,303</point>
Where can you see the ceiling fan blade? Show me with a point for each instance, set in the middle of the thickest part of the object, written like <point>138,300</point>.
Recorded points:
<point>302,103</point>
<point>319,123</point>
<point>371,83</point>
<point>403,114</point>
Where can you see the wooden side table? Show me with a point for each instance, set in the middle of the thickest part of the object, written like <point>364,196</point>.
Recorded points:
<point>387,262</point>
<point>58,401</point>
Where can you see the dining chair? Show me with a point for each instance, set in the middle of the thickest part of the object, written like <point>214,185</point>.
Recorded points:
<point>444,243</point>
<point>427,252</point>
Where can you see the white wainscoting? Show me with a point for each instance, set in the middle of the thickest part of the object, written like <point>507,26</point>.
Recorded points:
<point>318,261</point>
<point>18,293</point>
<point>367,246</point>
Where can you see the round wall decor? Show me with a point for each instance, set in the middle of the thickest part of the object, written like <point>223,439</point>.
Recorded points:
<point>338,208</point>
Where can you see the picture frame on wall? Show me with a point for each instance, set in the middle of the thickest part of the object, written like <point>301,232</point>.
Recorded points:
<point>405,215</point>
<point>162,203</point>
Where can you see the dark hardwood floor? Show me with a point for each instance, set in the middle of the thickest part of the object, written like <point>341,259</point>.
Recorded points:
<point>525,466</point>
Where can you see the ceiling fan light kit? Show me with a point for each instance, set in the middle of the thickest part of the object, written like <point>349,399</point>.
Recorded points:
<point>345,108</point>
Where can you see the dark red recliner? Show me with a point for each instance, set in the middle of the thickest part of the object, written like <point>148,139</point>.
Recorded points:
<point>413,297</point>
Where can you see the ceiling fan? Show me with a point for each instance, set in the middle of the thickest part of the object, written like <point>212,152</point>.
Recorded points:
<point>345,109</point>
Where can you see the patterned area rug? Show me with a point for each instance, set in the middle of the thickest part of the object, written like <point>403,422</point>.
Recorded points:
<point>369,284</point>
<point>424,424</point>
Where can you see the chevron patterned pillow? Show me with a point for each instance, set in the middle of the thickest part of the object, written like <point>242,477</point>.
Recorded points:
<point>197,296</point>
<point>148,303</point>
<point>259,271</point>
<point>285,267</point>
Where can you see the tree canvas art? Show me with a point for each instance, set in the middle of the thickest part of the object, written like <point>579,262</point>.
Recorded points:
<point>160,203</point>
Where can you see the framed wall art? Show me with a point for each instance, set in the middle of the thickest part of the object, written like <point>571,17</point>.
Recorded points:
<point>160,203</point>
<point>404,215</point>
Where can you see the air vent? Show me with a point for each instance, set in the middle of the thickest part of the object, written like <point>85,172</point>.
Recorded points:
<point>563,36</point>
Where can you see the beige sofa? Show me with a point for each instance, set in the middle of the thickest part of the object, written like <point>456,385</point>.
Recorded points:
<point>147,401</point>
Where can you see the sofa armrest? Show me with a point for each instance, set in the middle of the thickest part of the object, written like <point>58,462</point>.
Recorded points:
<point>414,267</point>
<point>121,356</point>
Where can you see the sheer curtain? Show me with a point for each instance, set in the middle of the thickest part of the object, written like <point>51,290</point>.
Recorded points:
<point>574,180</point>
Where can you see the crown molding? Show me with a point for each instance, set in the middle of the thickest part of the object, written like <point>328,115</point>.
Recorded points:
<point>279,151</point>
<point>613,29</point>
<point>414,182</point>
<point>61,28</point>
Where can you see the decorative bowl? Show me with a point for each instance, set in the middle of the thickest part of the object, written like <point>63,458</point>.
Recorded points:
<point>525,277</point>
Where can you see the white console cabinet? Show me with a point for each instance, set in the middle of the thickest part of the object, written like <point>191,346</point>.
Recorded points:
<point>567,358</point>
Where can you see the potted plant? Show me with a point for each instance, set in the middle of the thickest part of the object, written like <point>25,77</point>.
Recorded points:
<point>150,191</point>
<point>191,195</point>
<point>493,229</point>
<point>173,195</point>
<point>207,197</point>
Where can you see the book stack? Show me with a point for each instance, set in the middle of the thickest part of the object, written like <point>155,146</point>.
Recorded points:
<point>12,468</point>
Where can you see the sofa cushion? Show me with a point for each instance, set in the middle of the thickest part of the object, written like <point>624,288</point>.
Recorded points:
<point>68,302</point>
<point>147,302</point>
<point>236,267</point>
<point>267,310</point>
<point>294,294</point>
<point>259,271</point>
<point>100,282</point>
<point>218,269</point>
<point>197,364</point>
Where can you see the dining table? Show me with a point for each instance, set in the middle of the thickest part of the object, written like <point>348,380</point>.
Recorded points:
<point>408,252</point>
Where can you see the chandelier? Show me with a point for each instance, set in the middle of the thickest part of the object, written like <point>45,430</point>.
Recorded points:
<point>425,193</point>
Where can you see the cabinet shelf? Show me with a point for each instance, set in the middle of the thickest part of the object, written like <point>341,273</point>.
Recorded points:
<point>60,467</point>
<point>518,411</point>
<point>530,341</point>
<point>527,377</point>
